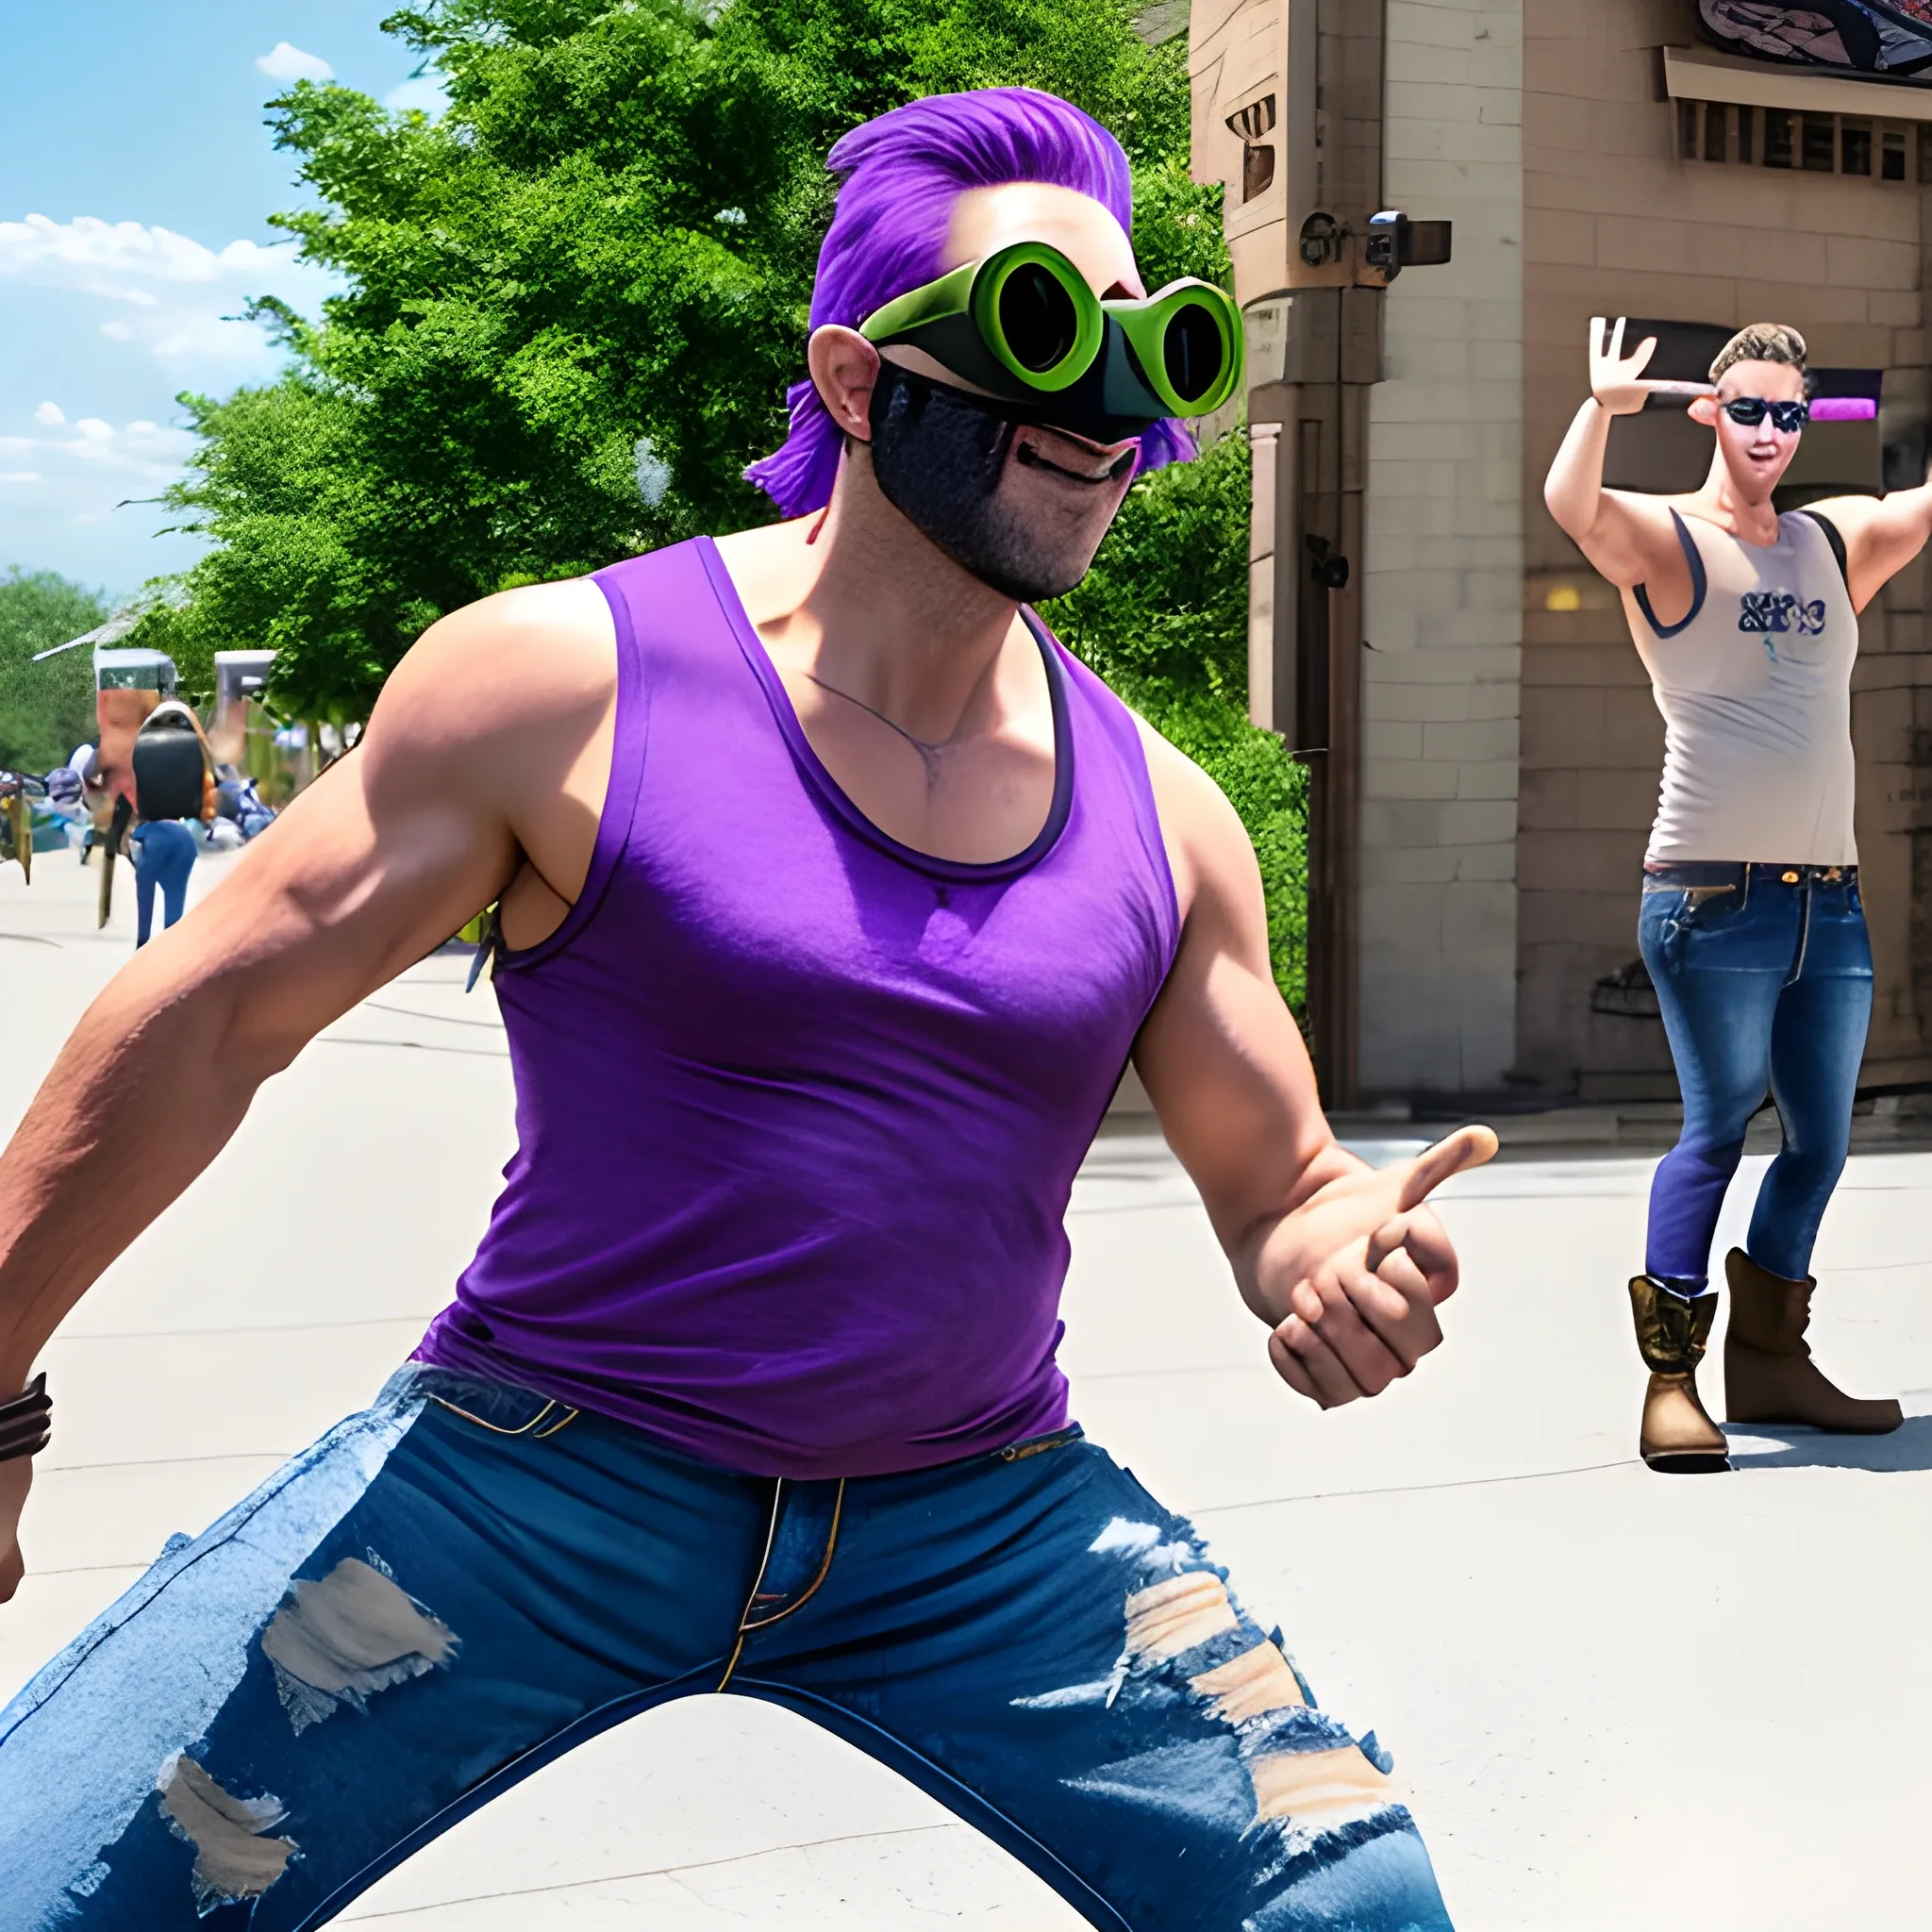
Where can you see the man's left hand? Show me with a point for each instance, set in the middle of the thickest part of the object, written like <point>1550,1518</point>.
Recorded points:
<point>1352,1277</point>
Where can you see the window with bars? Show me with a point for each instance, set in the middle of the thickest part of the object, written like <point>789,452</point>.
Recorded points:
<point>1807,143</point>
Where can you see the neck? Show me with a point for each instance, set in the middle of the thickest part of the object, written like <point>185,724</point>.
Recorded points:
<point>869,606</point>
<point>1724,503</point>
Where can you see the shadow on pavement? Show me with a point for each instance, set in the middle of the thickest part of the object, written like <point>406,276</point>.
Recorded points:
<point>1754,1445</point>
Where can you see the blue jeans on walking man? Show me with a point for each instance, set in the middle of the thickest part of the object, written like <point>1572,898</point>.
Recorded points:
<point>164,852</point>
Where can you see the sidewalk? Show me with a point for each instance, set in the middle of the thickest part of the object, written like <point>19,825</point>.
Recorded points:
<point>1617,1700</point>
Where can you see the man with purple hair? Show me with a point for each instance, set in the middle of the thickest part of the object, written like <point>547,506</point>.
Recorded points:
<point>833,898</point>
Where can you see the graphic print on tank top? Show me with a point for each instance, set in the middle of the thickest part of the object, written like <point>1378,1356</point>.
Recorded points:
<point>799,1108</point>
<point>1754,684</point>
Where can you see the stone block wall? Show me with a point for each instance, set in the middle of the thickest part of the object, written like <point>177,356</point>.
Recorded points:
<point>1443,568</point>
<point>1614,222</point>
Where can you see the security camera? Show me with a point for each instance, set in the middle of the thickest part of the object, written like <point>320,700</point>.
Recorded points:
<point>1394,242</point>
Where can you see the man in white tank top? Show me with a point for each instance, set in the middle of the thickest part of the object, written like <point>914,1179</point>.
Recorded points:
<point>1752,924</point>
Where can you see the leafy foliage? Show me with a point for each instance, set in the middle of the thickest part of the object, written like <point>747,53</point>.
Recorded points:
<point>1163,617</point>
<point>575,302</point>
<point>45,710</point>
<point>300,565</point>
<point>573,305</point>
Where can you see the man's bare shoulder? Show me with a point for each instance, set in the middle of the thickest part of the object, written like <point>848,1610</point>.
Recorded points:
<point>1207,846</point>
<point>1849,515</point>
<point>541,652</point>
<point>1652,508</point>
<point>505,709</point>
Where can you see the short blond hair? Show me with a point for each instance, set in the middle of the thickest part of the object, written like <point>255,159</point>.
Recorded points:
<point>1761,341</point>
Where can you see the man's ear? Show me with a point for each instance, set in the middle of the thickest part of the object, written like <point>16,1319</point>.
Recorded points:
<point>844,367</point>
<point>1704,409</point>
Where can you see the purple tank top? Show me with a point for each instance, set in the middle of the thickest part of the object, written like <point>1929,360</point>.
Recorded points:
<point>799,1108</point>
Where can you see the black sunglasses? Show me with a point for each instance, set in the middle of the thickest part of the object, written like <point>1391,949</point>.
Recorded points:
<point>1752,410</point>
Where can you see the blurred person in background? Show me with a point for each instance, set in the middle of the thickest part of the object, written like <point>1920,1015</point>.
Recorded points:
<point>163,852</point>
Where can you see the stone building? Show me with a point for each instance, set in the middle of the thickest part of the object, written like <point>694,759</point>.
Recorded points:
<point>1483,744</point>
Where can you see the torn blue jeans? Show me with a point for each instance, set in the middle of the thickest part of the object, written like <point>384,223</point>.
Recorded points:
<point>456,1585</point>
<point>1765,986</point>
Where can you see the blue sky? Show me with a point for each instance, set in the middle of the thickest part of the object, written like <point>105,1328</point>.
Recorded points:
<point>135,180</point>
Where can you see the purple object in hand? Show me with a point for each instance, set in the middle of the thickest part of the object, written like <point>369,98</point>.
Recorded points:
<point>1844,409</point>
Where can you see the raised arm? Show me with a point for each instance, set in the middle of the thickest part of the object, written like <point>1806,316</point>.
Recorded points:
<point>1628,538</point>
<point>1882,535</point>
<point>466,767</point>
<point>1342,1261</point>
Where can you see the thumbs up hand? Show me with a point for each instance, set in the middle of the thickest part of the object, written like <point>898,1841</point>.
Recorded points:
<point>1351,1277</point>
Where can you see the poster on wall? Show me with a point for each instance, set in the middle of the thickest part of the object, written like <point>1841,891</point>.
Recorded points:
<point>1888,39</point>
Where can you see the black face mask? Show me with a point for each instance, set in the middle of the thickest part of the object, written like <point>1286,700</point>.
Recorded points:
<point>939,455</point>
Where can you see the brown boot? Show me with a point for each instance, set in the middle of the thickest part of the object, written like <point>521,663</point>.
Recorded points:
<point>1678,1437</point>
<point>1768,1373</point>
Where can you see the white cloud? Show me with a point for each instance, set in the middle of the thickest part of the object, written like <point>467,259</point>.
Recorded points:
<point>284,62</point>
<point>173,296</point>
<point>425,93</point>
<point>166,305</point>
<point>79,472</point>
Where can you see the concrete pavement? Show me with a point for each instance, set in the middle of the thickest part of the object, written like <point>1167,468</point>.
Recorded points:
<point>1617,1700</point>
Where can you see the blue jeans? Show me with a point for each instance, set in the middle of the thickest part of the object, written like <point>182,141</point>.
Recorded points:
<point>164,852</point>
<point>1765,986</point>
<point>456,1585</point>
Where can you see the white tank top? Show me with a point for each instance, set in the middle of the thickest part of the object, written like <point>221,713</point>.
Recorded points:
<point>1755,686</point>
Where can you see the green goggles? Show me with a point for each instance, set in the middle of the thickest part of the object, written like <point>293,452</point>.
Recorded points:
<point>1023,323</point>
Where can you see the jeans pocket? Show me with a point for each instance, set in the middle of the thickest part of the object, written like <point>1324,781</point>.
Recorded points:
<point>1705,908</point>
<point>1035,1445</point>
<point>500,1408</point>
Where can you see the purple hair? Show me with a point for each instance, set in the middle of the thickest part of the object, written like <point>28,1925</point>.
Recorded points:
<point>898,177</point>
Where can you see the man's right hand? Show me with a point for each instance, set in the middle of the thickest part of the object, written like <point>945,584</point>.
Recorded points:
<point>1615,378</point>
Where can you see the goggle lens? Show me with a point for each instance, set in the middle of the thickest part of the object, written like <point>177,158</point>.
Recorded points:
<point>1192,352</point>
<point>1038,317</point>
<point>1752,410</point>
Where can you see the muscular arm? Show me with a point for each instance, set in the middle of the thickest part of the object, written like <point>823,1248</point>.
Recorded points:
<point>1341,1260</point>
<point>466,766</point>
<point>1628,538</point>
<point>1882,535</point>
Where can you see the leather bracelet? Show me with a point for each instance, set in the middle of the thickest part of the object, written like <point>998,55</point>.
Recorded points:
<point>27,1421</point>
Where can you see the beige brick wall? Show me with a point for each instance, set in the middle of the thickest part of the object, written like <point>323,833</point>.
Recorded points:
<point>1614,222</point>
<point>1443,567</point>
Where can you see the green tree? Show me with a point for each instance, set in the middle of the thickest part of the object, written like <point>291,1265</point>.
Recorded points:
<point>571,310</point>
<point>300,563</point>
<point>1163,617</point>
<point>572,303</point>
<point>45,710</point>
